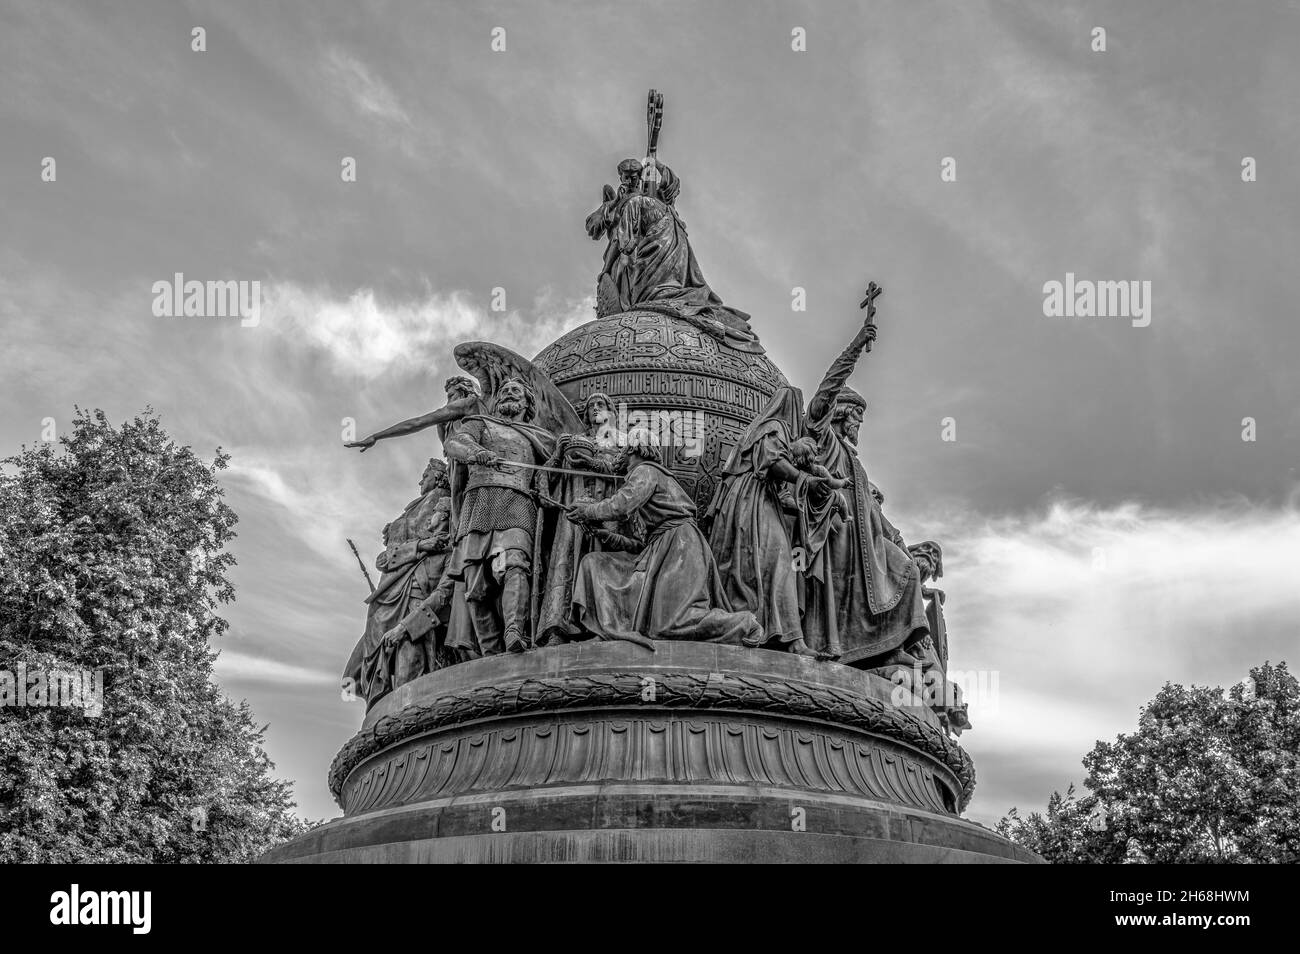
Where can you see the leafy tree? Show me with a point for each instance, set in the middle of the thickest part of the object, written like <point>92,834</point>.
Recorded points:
<point>1208,776</point>
<point>111,560</point>
<point>1064,834</point>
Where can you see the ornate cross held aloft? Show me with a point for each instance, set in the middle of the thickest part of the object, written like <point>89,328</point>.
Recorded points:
<point>873,292</point>
<point>654,120</point>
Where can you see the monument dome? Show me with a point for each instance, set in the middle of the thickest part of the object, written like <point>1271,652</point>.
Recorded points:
<point>691,387</point>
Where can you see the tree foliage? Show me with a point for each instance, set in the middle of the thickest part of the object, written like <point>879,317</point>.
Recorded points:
<point>1209,776</point>
<point>112,559</point>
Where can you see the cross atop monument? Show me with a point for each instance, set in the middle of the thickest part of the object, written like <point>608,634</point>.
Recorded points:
<point>654,121</point>
<point>873,292</point>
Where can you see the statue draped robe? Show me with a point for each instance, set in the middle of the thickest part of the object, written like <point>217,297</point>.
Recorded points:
<point>670,589</point>
<point>748,533</point>
<point>867,601</point>
<point>569,543</point>
<point>658,270</point>
<point>604,221</point>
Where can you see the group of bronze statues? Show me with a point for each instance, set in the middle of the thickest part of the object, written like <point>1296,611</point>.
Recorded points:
<point>535,533</point>
<point>546,524</point>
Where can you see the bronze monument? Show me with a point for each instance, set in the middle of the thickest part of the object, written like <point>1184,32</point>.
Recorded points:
<point>655,612</point>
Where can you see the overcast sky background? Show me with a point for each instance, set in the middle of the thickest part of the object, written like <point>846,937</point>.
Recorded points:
<point>817,169</point>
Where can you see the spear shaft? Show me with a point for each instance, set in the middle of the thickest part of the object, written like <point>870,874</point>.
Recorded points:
<point>361,564</point>
<point>557,470</point>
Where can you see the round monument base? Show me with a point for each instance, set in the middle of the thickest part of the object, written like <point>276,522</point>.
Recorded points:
<point>618,823</point>
<point>606,752</point>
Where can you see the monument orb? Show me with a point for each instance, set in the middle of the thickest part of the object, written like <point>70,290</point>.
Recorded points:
<point>694,391</point>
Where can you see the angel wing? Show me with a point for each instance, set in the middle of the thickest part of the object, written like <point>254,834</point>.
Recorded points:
<point>493,364</point>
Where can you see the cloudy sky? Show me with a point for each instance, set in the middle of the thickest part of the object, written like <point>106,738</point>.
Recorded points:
<point>1106,527</point>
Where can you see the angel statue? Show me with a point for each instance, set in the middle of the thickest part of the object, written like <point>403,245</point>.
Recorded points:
<point>650,265</point>
<point>602,223</point>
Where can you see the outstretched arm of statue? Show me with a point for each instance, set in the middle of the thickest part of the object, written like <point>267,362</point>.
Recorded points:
<point>823,402</point>
<point>451,411</point>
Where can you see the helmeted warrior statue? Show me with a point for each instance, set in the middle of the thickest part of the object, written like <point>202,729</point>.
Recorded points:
<point>494,533</point>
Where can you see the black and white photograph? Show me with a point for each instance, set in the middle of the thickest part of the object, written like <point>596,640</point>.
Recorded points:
<point>515,432</point>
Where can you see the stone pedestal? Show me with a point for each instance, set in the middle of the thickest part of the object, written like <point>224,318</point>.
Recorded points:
<point>608,752</point>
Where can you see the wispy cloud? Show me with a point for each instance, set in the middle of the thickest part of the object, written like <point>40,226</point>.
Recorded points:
<point>368,335</point>
<point>241,667</point>
<point>371,96</point>
<point>1085,611</point>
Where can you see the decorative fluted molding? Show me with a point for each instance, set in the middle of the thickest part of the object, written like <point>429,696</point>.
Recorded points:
<point>675,691</point>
